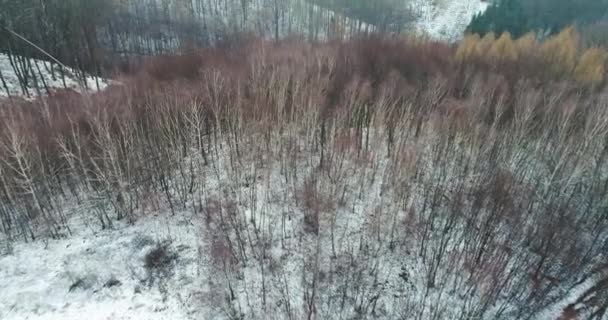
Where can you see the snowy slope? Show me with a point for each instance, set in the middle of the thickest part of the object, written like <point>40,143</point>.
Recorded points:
<point>445,19</point>
<point>53,81</point>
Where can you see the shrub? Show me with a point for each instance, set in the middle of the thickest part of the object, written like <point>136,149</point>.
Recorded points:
<point>312,206</point>
<point>160,258</point>
<point>314,203</point>
<point>186,66</point>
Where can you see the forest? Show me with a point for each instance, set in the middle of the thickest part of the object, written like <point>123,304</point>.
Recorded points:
<point>233,168</point>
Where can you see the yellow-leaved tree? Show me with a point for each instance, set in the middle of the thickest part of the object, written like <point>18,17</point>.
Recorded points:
<point>467,49</point>
<point>503,49</point>
<point>560,52</point>
<point>483,47</point>
<point>591,67</point>
<point>526,45</point>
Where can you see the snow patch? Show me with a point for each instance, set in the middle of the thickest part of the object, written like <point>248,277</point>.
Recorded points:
<point>51,74</point>
<point>101,275</point>
<point>445,20</point>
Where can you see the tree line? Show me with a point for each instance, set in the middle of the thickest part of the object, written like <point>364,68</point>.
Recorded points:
<point>541,16</point>
<point>99,37</point>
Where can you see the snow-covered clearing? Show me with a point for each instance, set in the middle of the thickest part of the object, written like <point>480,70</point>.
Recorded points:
<point>102,274</point>
<point>45,73</point>
<point>446,19</point>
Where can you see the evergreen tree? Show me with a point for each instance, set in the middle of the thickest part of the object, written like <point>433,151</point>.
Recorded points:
<point>542,16</point>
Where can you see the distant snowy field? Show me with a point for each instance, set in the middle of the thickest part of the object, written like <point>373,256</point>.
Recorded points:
<point>53,80</point>
<point>445,19</point>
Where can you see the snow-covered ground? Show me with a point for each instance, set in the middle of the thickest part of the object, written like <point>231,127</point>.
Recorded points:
<point>445,19</point>
<point>53,80</point>
<point>103,275</point>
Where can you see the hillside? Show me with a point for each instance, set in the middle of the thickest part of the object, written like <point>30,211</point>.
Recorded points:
<point>143,28</point>
<point>300,159</point>
<point>376,178</point>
